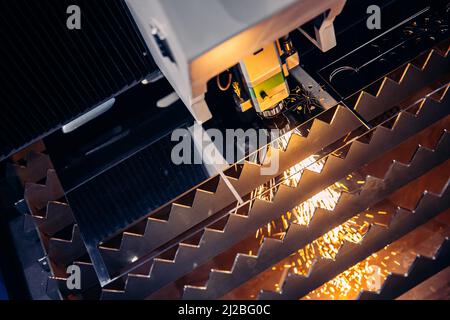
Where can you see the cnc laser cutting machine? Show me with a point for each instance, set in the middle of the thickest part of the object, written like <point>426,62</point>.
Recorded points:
<point>349,98</point>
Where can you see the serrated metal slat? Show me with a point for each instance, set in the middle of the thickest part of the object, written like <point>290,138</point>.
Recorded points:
<point>413,78</point>
<point>422,268</point>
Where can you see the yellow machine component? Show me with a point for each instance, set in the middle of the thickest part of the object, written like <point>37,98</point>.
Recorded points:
<point>247,105</point>
<point>264,76</point>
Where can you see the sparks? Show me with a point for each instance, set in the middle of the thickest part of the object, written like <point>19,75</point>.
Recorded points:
<point>303,213</point>
<point>329,244</point>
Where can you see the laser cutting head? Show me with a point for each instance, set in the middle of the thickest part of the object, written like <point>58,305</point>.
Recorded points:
<point>194,41</point>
